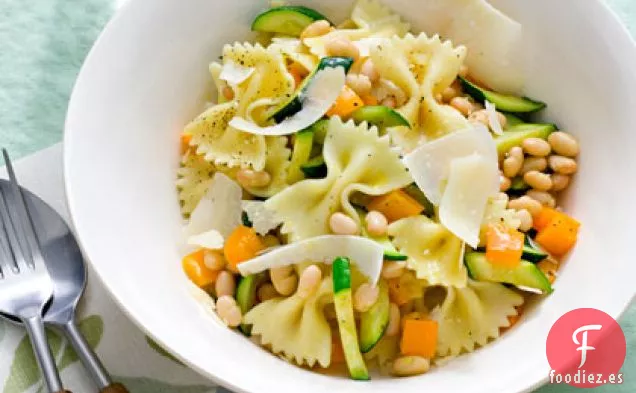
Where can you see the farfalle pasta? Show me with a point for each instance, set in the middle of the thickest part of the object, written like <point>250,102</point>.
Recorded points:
<point>357,194</point>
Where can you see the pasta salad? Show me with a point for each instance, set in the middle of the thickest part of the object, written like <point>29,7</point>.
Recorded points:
<point>361,196</point>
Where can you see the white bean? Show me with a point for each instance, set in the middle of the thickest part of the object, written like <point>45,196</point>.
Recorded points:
<point>538,181</point>
<point>536,147</point>
<point>309,281</point>
<point>542,197</point>
<point>228,311</point>
<point>377,223</point>
<point>405,366</point>
<point>393,328</point>
<point>564,144</point>
<point>526,220</point>
<point>342,224</point>
<point>284,279</point>
<point>249,178</point>
<point>316,29</point>
<point>342,46</point>
<point>366,295</point>
<point>562,165</point>
<point>393,269</point>
<point>213,260</point>
<point>225,284</point>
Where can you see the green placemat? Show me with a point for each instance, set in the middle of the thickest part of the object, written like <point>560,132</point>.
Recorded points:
<point>43,45</point>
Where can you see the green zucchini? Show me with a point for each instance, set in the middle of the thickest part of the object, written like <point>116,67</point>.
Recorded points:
<point>503,102</point>
<point>512,120</point>
<point>289,20</point>
<point>532,252</point>
<point>315,168</point>
<point>320,131</point>
<point>346,322</point>
<point>303,142</point>
<point>518,184</point>
<point>517,134</point>
<point>295,103</point>
<point>373,322</point>
<point>380,116</point>
<point>525,275</point>
<point>246,296</point>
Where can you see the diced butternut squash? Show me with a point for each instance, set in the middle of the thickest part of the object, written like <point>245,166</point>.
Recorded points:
<point>346,103</point>
<point>370,100</point>
<point>504,246</point>
<point>242,244</point>
<point>298,72</point>
<point>419,338</point>
<point>560,235</point>
<point>194,267</point>
<point>544,217</point>
<point>404,289</point>
<point>396,205</point>
<point>185,142</point>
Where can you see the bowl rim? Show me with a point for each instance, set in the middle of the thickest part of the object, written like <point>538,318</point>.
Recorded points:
<point>602,6</point>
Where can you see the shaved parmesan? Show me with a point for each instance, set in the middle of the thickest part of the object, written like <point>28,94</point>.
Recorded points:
<point>468,190</point>
<point>219,209</point>
<point>493,39</point>
<point>234,73</point>
<point>316,100</point>
<point>263,220</point>
<point>493,119</point>
<point>367,254</point>
<point>429,164</point>
<point>211,240</point>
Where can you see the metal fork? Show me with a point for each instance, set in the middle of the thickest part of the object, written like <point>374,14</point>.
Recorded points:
<point>25,285</point>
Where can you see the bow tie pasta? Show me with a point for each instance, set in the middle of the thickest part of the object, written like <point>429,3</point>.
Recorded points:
<point>435,254</point>
<point>345,154</point>
<point>372,20</point>
<point>357,159</point>
<point>421,67</point>
<point>296,327</point>
<point>471,316</point>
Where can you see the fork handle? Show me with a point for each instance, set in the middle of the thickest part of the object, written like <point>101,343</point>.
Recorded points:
<point>45,360</point>
<point>90,360</point>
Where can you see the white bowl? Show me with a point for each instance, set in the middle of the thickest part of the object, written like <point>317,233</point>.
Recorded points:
<point>147,76</point>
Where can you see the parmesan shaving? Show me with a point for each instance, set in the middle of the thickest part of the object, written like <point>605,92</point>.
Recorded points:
<point>493,118</point>
<point>367,254</point>
<point>235,74</point>
<point>263,219</point>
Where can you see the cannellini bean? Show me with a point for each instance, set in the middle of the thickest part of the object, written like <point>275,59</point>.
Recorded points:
<point>538,181</point>
<point>525,203</point>
<point>394,90</point>
<point>266,292</point>
<point>479,117</point>
<point>359,83</point>
<point>393,328</point>
<point>526,220</point>
<point>249,178</point>
<point>368,69</point>
<point>504,183</point>
<point>405,366</point>
<point>393,269</point>
<point>225,284</point>
<point>534,164</point>
<point>341,46</point>
<point>309,281</point>
<point>213,260</point>
<point>342,224</point>
<point>377,223</point>
<point>562,165</point>
<point>564,144</point>
<point>451,92</point>
<point>284,279</point>
<point>513,162</point>
<point>462,104</point>
<point>536,147</point>
<point>560,182</point>
<point>542,197</point>
<point>366,295</point>
<point>228,311</point>
<point>316,29</point>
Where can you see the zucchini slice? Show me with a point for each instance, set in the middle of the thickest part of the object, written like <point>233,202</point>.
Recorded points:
<point>525,275</point>
<point>289,20</point>
<point>373,322</point>
<point>303,143</point>
<point>315,168</point>
<point>294,104</point>
<point>517,134</point>
<point>532,252</point>
<point>246,296</point>
<point>346,322</point>
<point>390,252</point>
<point>503,102</point>
<point>380,116</point>
<point>320,131</point>
<point>513,120</point>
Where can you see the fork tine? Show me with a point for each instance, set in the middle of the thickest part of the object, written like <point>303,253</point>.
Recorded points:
<point>9,242</point>
<point>24,225</point>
